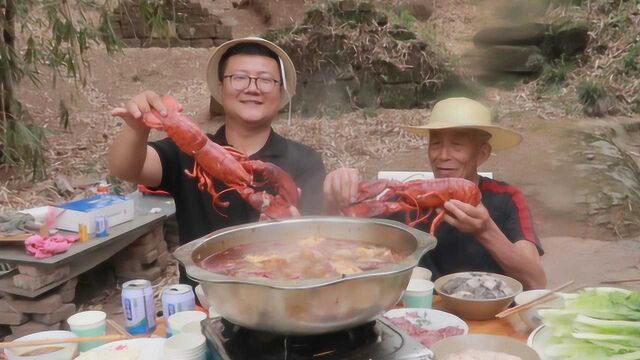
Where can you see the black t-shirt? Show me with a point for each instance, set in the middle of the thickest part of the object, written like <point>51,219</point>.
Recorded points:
<point>195,213</point>
<point>457,251</point>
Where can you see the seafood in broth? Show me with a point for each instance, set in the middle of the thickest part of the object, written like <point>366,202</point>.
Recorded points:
<point>311,258</point>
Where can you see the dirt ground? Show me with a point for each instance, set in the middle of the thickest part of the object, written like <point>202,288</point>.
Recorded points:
<point>574,250</point>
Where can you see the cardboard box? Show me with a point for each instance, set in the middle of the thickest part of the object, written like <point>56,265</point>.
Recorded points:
<point>117,210</point>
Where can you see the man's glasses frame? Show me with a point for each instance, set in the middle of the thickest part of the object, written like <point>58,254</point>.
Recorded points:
<point>241,82</point>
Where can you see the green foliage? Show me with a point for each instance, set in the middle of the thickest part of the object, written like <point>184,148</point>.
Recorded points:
<point>54,35</point>
<point>402,18</point>
<point>556,73</point>
<point>589,92</point>
<point>631,61</point>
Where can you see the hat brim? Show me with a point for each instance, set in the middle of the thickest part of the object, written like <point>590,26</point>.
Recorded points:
<point>289,69</point>
<point>501,138</point>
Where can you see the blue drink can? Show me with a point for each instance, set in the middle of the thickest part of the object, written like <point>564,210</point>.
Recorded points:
<point>139,307</point>
<point>177,298</point>
<point>102,226</point>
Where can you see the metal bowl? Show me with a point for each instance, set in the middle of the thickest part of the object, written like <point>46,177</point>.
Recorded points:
<point>477,309</point>
<point>458,344</point>
<point>312,306</point>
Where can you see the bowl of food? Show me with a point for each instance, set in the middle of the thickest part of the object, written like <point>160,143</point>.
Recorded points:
<point>479,346</point>
<point>64,351</point>
<point>477,295</point>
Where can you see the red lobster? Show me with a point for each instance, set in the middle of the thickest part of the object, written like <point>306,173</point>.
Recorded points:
<point>414,195</point>
<point>228,165</point>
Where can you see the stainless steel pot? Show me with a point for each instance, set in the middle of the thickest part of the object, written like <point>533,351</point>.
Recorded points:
<point>313,306</point>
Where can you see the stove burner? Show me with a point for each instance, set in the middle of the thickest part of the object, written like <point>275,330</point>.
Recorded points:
<point>374,340</point>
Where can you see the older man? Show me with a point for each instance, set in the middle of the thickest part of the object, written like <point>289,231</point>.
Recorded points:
<point>495,236</point>
<point>253,79</point>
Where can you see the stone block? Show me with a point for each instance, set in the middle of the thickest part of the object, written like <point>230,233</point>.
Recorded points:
<point>218,42</point>
<point>32,327</point>
<point>60,314</point>
<point>132,42</point>
<point>398,96</point>
<point>28,282</point>
<point>196,31</point>
<point>566,39</point>
<point>134,28</point>
<point>67,295</point>
<point>149,257</point>
<point>127,266</point>
<point>518,35</point>
<point>223,32</point>
<point>38,271</point>
<point>13,318</point>
<point>41,305</point>
<point>150,273</point>
<point>201,43</point>
<point>163,260</point>
<point>516,59</point>
<point>162,247</point>
<point>5,306</point>
<point>69,285</point>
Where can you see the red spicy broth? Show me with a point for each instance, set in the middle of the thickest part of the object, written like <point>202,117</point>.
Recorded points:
<point>311,258</point>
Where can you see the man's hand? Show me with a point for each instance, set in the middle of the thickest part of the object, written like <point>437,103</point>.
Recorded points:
<point>139,105</point>
<point>341,187</point>
<point>466,217</point>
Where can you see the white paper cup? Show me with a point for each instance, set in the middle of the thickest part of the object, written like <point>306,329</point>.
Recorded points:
<point>192,328</point>
<point>185,347</point>
<point>87,324</point>
<point>178,320</point>
<point>419,294</point>
<point>421,273</point>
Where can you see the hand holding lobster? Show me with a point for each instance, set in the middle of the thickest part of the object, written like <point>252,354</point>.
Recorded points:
<point>387,197</point>
<point>226,164</point>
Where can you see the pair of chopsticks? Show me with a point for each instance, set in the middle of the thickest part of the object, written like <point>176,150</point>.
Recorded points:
<point>105,338</point>
<point>539,300</point>
<point>620,281</point>
<point>122,334</point>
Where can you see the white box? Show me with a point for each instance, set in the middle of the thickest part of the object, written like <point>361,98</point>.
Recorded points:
<point>117,210</point>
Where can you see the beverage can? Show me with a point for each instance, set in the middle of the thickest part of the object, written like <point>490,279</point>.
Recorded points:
<point>102,226</point>
<point>139,307</point>
<point>177,298</point>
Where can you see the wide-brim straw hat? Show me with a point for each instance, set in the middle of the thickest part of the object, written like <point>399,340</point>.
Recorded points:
<point>288,74</point>
<point>465,113</point>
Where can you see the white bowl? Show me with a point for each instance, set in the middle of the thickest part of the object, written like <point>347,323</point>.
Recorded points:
<point>530,316</point>
<point>66,351</point>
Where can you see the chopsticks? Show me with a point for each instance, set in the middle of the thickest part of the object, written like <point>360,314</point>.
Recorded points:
<point>119,329</point>
<point>619,281</point>
<point>539,300</point>
<point>106,338</point>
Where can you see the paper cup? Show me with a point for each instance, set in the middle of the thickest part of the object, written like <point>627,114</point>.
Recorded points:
<point>192,328</point>
<point>185,347</point>
<point>421,273</point>
<point>88,323</point>
<point>419,294</point>
<point>178,320</point>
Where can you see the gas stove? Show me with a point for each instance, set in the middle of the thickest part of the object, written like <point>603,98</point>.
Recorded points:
<point>377,340</point>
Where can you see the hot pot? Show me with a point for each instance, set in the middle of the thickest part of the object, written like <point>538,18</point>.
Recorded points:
<point>310,306</point>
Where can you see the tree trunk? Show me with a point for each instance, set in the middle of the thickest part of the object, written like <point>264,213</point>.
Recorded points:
<point>6,42</point>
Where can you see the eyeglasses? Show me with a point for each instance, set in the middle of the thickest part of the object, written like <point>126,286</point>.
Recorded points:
<point>240,82</point>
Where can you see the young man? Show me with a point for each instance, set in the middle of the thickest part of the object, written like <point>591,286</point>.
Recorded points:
<point>253,79</point>
<point>495,236</point>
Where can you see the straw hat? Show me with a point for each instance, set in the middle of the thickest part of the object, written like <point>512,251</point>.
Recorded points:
<point>288,74</point>
<point>466,113</point>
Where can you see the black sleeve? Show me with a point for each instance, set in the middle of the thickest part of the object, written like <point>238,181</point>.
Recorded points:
<point>519,223</point>
<point>310,182</point>
<point>170,161</point>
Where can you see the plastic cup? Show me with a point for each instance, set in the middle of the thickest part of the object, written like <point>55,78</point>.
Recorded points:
<point>192,328</point>
<point>419,294</point>
<point>178,320</point>
<point>88,324</point>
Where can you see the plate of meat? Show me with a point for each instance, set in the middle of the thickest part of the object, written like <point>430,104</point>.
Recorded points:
<point>428,326</point>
